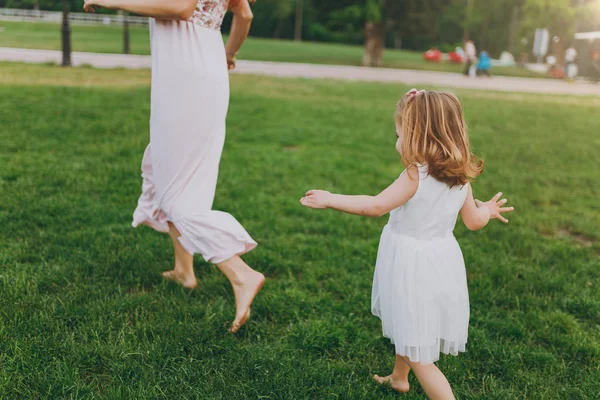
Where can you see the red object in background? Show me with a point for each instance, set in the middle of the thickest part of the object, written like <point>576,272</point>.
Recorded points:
<point>557,72</point>
<point>455,58</point>
<point>433,55</point>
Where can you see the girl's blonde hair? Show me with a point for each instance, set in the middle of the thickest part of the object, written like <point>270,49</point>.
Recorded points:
<point>435,133</point>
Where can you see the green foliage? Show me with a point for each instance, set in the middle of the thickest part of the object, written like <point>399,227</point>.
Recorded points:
<point>84,312</point>
<point>420,24</point>
<point>55,5</point>
<point>588,17</point>
<point>373,11</point>
<point>558,16</point>
<point>108,39</point>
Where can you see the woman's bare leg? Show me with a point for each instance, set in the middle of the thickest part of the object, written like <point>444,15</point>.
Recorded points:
<point>246,284</point>
<point>398,380</point>
<point>183,272</point>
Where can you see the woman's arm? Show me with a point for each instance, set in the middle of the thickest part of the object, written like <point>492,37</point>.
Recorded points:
<point>476,214</point>
<point>162,9</point>
<point>240,26</point>
<point>393,197</point>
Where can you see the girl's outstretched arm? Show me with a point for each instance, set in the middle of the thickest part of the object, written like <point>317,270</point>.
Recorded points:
<point>393,197</point>
<point>476,214</point>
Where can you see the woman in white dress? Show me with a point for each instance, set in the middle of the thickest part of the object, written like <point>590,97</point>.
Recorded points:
<point>189,102</point>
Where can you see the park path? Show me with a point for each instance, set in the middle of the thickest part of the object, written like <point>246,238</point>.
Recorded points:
<point>297,70</point>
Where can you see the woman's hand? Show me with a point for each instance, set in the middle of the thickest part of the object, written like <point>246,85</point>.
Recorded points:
<point>319,199</point>
<point>231,59</point>
<point>494,207</point>
<point>92,5</point>
<point>240,26</point>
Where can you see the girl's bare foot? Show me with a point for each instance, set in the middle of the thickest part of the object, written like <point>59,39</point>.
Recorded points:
<point>245,291</point>
<point>186,280</point>
<point>401,386</point>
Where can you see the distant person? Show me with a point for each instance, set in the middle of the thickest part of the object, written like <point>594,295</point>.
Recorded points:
<point>595,58</point>
<point>420,284</point>
<point>553,69</point>
<point>470,55</point>
<point>523,59</point>
<point>484,65</point>
<point>570,55</point>
<point>570,66</point>
<point>189,103</point>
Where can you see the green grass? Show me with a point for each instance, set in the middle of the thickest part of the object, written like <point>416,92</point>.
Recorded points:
<point>84,312</point>
<point>108,39</point>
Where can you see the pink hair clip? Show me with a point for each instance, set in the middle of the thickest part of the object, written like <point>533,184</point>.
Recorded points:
<point>414,92</point>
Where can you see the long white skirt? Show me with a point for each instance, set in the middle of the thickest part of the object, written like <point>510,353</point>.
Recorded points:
<point>190,98</point>
<point>420,294</point>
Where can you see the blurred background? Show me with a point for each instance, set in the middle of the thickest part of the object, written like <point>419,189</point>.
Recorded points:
<point>84,311</point>
<point>555,38</point>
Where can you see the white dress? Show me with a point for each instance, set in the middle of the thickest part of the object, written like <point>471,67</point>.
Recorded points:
<point>420,284</point>
<point>189,102</point>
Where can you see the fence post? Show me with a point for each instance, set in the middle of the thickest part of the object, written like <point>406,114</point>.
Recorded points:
<point>125,32</point>
<point>66,35</point>
<point>299,20</point>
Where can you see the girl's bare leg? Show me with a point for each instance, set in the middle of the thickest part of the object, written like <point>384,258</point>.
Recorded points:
<point>183,272</point>
<point>398,380</point>
<point>432,380</point>
<point>246,284</point>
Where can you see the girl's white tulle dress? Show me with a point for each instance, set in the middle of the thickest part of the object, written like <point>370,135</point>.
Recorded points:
<point>420,284</point>
<point>189,102</point>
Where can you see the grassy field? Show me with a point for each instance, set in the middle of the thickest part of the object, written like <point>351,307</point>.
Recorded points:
<point>84,312</point>
<point>108,39</point>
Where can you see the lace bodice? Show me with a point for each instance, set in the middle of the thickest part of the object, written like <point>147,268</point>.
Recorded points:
<point>210,13</point>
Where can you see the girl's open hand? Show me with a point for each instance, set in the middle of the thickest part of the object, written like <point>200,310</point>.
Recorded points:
<point>316,199</point>
<point>495,207</point>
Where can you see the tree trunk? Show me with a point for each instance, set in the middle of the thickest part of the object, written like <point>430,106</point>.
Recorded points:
<point>299,20</point>
<point>374,44</point>
<point>398,41</point>
<point>467,21</point>
<point>514,28</point>
<point>278,29</point>
<point>485,24</point>
<point>559,48</point>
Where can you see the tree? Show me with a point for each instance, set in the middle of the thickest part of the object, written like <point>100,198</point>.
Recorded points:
<point>558,16</point>
<point>402,18</point>
<point>271,18</point>
<point>588,17</point>
<point>467,19</point>
<point>374,33</point>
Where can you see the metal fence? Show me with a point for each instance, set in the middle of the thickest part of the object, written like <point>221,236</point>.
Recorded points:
<point>11,14</point>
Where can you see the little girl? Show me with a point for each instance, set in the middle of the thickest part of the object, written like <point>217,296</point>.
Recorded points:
<point>420,285</point>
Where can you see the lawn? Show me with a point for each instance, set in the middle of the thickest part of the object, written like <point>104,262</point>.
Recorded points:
<point>84,312</point>
<point>109,39</point>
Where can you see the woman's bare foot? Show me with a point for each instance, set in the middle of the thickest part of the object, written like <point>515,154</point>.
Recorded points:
<point>245,291</point>
<point>398,385</point>
<point>186,280</point>
<point>183,273</point>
